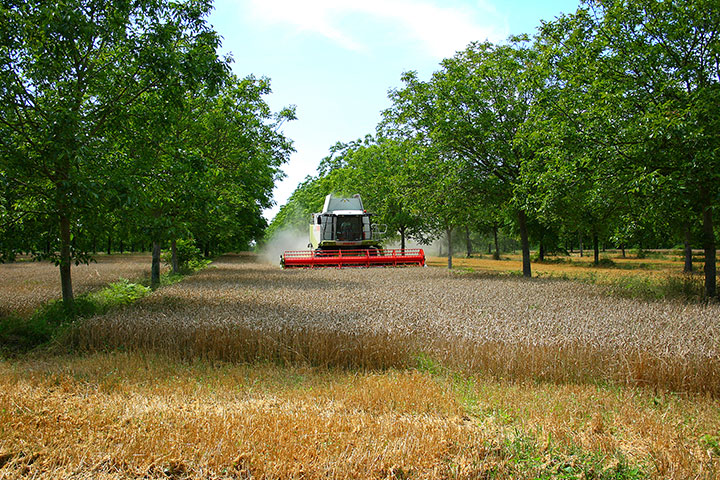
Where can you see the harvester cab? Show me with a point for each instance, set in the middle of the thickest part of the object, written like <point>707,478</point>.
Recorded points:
<point>343,225</point>
<point>343,235</point>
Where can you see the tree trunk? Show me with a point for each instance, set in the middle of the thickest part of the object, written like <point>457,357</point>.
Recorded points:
<point>496,256</point>
<point>622,247</point>
<point>468,243</point>
<point>688,248</point>
<point>155,271</point>
<point>710,254</point>
<point>109,245</point>
<point>596,249</point>
<point>206,253</point>
<point>522,223</point>
<point>402,238</point>
<point>122,247</point>
<point>174,260</point>
<point>65,262</point>
<point>541,252</point>
<point>449,253</point>
<point>581,244</point>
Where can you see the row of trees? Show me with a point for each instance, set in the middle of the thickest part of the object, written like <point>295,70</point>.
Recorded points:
<point>603,125</point>
<point>119,120</point>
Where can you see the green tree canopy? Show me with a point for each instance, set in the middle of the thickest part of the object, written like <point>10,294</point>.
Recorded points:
<point>120,117</point>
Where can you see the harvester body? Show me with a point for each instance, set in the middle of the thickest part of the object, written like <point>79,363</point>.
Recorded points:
<point>342,235</point>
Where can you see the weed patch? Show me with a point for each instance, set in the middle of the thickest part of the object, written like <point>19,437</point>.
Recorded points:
<point>427,364</point>
<point>683,287</point>
<point>605,263</point>
<point>122,292</point>
<point>711,443</point>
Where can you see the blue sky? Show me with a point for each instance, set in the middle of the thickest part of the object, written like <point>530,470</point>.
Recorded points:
<point>336,59</point>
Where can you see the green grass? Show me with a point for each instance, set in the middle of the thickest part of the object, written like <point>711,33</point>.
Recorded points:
<point>551,462</point>
<point>520,452</point>
<point>688,288</point>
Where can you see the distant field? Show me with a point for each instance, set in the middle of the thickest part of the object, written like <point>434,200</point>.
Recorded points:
<point>25,285</point>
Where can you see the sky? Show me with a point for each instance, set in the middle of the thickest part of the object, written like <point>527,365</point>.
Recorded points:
<point>335,60</point>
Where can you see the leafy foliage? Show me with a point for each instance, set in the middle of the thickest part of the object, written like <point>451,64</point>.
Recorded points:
<point>187,254</point>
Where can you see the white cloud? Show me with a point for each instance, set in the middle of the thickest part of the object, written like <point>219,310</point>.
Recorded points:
<point>315,16</point>
<point>439,30</point>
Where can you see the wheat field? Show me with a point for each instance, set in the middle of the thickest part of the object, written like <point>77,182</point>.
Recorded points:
<point>133,415</point>
<point>244,370</point>
<point>240,310</point>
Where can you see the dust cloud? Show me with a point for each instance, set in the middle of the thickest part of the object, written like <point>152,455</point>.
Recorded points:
<point>283,240</point>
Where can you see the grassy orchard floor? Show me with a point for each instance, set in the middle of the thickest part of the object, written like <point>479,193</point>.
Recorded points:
<point>237,372</point>
<point>659,276</point>
<point>576,266</point>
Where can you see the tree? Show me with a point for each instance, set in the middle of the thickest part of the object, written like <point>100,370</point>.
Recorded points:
<point>377,169</point>
<point>307,199</point>
<point>210,162</point>
<point>241,140</point>
<point>440,195</point>
<point>472,110</point>
<point>646,73</point>
<point>71,70</point>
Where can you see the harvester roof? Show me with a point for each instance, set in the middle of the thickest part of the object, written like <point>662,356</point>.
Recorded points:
<point>343,205</point>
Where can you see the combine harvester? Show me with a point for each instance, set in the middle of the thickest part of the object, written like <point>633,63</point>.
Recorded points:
<point>342,236</point>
